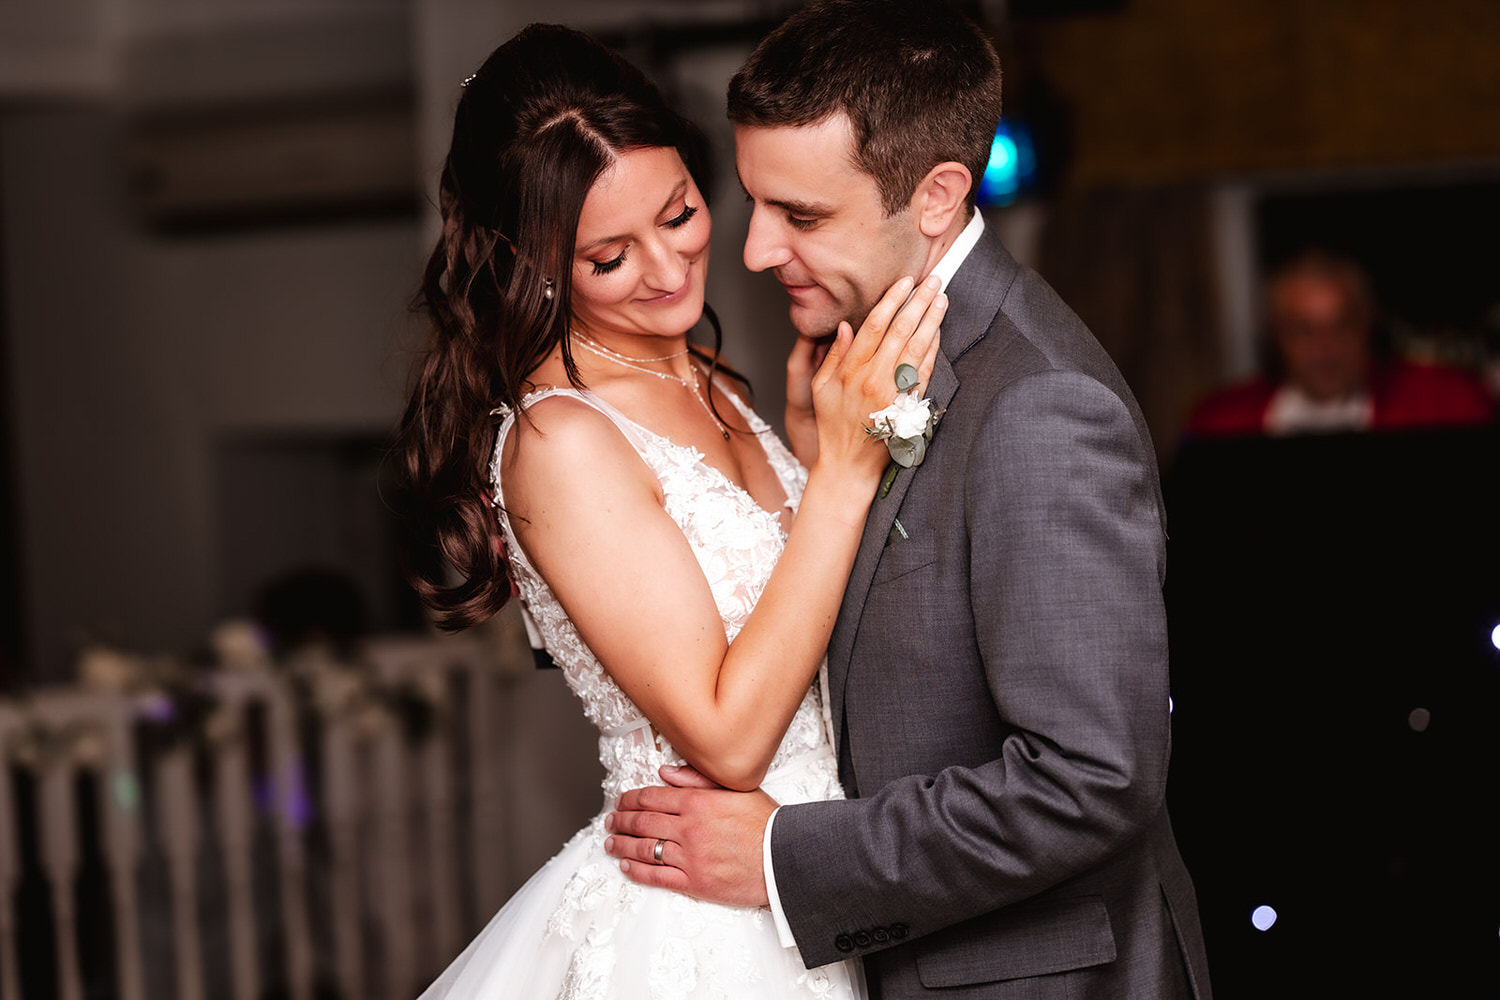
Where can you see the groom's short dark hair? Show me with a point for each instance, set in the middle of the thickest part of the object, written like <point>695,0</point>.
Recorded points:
<point>919,82</point>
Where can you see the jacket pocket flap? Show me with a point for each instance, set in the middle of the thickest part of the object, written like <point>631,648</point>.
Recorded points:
<point>1027,939</point>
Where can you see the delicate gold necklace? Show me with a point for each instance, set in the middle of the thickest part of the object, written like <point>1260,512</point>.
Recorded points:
<point>617,356</point>
<point>690,384</point>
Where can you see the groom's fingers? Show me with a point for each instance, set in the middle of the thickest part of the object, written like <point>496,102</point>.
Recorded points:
<point>686,777</point>
<point>643,826</point>
<point>652,798</point>
<point>660,876</point>
<point>642,850</point>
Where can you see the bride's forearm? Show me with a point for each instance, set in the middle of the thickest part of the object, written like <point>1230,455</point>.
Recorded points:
<point>802,435</point>
<point>766,671</point>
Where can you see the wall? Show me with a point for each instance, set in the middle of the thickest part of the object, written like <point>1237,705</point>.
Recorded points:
<point>1167,90</point>
<point>131,354</point>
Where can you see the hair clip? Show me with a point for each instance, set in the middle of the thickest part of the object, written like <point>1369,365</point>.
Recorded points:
<point>468,79</point>
<point>507,241</point>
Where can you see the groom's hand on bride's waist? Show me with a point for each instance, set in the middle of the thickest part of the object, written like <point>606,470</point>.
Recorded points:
<point>709,838</point>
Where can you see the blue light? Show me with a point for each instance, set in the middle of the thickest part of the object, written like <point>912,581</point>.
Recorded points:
<point>1011,170</point>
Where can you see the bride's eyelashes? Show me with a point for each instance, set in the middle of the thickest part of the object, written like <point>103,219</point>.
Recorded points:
<point>676,222</point>
<point>686,216</point>
<point>606,266</point>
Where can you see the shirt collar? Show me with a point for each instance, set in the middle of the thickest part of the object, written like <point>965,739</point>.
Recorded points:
<point>948,265</point>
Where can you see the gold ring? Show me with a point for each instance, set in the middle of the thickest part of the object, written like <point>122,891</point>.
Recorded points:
<point>656,851</point>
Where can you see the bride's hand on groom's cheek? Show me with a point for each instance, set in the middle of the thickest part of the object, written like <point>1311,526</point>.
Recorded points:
<point>711,838</point>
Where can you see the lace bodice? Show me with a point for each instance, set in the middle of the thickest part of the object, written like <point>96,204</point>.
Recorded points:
<point>737,543</point>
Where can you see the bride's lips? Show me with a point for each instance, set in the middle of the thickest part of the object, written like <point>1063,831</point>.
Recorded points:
<point>670,298</point>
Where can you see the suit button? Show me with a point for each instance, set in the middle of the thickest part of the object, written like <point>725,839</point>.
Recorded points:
<point>843,943</point>
<point>881,935</point>
<point>862,938</point>
<point>898,931</point>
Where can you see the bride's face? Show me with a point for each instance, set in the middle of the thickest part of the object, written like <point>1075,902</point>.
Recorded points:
<point>641,257</point>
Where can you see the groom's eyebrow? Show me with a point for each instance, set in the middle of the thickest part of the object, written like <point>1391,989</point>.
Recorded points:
<point>793,206</point>
<point>810,208</point>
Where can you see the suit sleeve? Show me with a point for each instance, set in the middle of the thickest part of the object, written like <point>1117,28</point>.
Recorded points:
<point>1066,548</point>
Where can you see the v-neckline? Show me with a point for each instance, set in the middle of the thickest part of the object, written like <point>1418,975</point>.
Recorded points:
<point>751,418</point>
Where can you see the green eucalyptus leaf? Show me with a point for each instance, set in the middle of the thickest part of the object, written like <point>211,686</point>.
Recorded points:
<point>907,452</point>
<point>906,377</point>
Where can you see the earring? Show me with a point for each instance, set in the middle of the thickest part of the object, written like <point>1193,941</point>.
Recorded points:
<point>547,290</point>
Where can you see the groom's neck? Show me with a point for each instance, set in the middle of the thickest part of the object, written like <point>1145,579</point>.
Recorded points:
<point>939,245</point>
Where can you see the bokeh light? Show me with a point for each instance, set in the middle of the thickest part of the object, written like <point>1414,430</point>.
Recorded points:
<point>1011,170</point>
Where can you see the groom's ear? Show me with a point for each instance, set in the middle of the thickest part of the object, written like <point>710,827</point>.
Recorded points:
<point>939,199</point>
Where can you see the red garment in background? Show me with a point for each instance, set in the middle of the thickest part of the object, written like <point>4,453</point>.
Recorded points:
<point>1406,395</point>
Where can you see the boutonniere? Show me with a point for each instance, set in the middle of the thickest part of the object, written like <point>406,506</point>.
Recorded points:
<point>905,426</point>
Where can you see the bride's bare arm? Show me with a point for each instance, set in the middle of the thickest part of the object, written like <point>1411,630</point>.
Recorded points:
<point>589,514</point>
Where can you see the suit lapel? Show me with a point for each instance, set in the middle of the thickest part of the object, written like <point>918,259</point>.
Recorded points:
<point>975,293</point>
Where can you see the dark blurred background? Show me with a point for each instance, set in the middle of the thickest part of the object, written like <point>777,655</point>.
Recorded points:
<point>212,216</point>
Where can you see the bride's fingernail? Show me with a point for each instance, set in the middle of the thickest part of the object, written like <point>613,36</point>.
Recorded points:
<point>609,822</point>
<point>609,844</point>
<point>624,866</point>
<point>934,282</point>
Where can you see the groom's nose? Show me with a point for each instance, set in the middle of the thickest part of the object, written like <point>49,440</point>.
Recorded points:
<point>765,245</point>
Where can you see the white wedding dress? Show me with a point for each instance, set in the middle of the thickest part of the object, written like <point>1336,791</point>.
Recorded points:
<point>579,930</point>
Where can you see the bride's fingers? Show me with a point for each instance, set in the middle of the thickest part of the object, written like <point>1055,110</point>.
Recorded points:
<point>801,363</point>
<point>833,356</point>
<point>913,328</point>
<point>921,350</point>
<point>871,333</point>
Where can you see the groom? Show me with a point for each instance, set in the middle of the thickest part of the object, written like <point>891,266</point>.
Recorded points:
<point>998,672</point>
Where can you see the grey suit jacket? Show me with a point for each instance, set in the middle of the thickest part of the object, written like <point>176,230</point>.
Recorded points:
<point>998,675</point>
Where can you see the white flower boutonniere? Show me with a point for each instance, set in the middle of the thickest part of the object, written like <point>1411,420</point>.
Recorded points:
<point>905,426</point>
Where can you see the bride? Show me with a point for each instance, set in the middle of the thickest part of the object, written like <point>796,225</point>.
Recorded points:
<point>568,444</point>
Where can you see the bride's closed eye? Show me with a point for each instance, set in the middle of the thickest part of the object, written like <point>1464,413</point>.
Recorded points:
<point>683,218</point>
<point>676,222</point>
<point>606,266</point>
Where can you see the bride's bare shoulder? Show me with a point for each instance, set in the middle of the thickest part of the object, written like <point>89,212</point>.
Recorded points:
<point>564,443</point>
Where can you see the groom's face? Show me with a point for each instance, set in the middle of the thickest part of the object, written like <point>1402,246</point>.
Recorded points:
<point>818,223</point>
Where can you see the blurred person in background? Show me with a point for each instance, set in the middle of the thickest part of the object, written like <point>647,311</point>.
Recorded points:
<point>1328,376</point>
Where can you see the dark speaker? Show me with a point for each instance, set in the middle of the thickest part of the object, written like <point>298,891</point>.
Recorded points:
<point>1335,756</point>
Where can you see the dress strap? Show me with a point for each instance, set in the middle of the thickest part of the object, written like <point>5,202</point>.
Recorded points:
<point>631,431</point>
<point>627,728</point>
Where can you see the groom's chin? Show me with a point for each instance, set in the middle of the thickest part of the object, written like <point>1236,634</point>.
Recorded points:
<point>815,325</point>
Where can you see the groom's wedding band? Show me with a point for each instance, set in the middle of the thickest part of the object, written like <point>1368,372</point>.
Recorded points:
<point>656,851</point>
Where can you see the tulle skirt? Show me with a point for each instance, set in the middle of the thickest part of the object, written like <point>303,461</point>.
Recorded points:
<point>580,930</point>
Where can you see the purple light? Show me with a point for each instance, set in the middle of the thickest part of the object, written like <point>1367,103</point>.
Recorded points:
<point>155,707</point>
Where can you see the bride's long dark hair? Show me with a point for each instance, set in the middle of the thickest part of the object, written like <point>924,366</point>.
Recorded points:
<point>535,127</point>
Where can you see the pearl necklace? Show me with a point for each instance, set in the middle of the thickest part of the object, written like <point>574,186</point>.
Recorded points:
<point>690,384</point>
